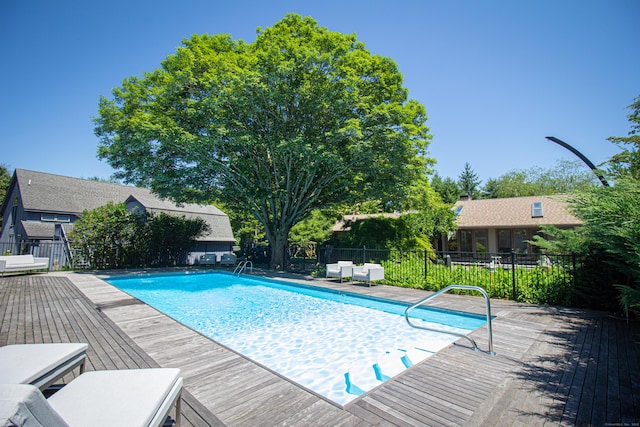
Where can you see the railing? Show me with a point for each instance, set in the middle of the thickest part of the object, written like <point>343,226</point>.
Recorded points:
<point>442,291</point>
<point>54,250</point>
<point>67,247</point>
<point>242,267</point>
<point>533,277</point>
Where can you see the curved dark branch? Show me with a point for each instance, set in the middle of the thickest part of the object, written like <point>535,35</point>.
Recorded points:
<point>582,157</point>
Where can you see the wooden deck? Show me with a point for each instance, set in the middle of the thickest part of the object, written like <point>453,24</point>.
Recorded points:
<point>554,366</point>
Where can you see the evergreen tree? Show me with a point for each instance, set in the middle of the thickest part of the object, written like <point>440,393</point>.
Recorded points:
<point>447,188</point>
<point>468,182</point>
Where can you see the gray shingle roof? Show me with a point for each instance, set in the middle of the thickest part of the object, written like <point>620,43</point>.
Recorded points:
<point>44,192</point>
<point>514,212</point>
<point>218,221</point>
<point>38,230</point>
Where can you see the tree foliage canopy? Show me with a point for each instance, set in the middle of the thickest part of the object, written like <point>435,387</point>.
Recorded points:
<point>609,239</point>
<point>301,118</point>
<point>627,162</point>
<point>447,188</point>
<point>566,177</point>
<point>316,228</point>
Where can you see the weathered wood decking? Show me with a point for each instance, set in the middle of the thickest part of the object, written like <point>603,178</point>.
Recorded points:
<point>553,366</point>
<point>46,308</point>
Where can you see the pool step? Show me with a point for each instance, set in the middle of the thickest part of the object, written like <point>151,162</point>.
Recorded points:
<point>360,378</point>
<point>415,355</point>
<point>390,364</point>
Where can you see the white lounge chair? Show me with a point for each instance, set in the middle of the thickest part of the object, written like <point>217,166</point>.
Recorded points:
<point>368,273</point>
<point>133,397</point>
<point>340,270</point>
<point>40,364</point>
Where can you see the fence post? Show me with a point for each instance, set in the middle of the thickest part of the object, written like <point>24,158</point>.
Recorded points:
<point>514,294</point>
<point>425,263</point>
<point>573,267</point>
<point>364,254</point>
<point>304,262</point>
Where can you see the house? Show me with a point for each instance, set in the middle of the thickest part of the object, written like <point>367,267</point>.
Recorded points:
<point>40,208</point>
<point>502,225</point>
<point>493,225</point>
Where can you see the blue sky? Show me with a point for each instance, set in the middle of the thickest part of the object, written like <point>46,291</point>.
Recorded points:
<point>496,77</point>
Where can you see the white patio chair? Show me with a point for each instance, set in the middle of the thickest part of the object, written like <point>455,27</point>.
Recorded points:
<point>340,270</point>
<point>368,273</point>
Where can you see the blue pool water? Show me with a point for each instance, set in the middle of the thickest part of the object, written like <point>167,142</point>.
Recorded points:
<point>338,345</point>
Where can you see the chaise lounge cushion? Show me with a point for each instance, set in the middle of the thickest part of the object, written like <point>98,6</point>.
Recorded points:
<point>24,405</point>
<point>131,397</point>
<point>39,364</point>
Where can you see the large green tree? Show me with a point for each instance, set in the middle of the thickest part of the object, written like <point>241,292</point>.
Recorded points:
<point>301,118</point>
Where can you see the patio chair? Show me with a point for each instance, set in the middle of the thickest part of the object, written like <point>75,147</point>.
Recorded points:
<point>208,259</point>
<point>133,397</point>
<point>340,270</point>
<point>228,259</point>
<point>40,364</point>
<point>368,273</point>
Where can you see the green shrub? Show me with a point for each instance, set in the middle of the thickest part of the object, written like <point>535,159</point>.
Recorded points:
<point>536,285</point>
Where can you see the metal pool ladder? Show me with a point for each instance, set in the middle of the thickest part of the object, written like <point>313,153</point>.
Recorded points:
<point>442,291</point>
<point>242,267</point>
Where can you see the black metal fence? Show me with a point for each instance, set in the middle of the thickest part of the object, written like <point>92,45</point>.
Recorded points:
<point>536,278</point>
<point>540,278</point>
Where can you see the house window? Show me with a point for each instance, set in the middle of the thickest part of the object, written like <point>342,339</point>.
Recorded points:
<point>516,239</point>
<point>14,212</point>
<point>55,218</point>
<point>458,210</point>
<point>482,240</point>
<point>536,210</point>
<point>520,244</point>
<point>504,240</point>
<point>453,242</point>
<point>465,241</point>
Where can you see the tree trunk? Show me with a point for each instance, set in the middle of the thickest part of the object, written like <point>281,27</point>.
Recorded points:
<point>279,249</point>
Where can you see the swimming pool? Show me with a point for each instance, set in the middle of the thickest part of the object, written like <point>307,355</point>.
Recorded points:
<point>338,345</point>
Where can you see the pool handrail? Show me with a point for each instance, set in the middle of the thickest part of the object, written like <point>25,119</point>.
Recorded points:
<point>242,267</point>
<point>442,291</point>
